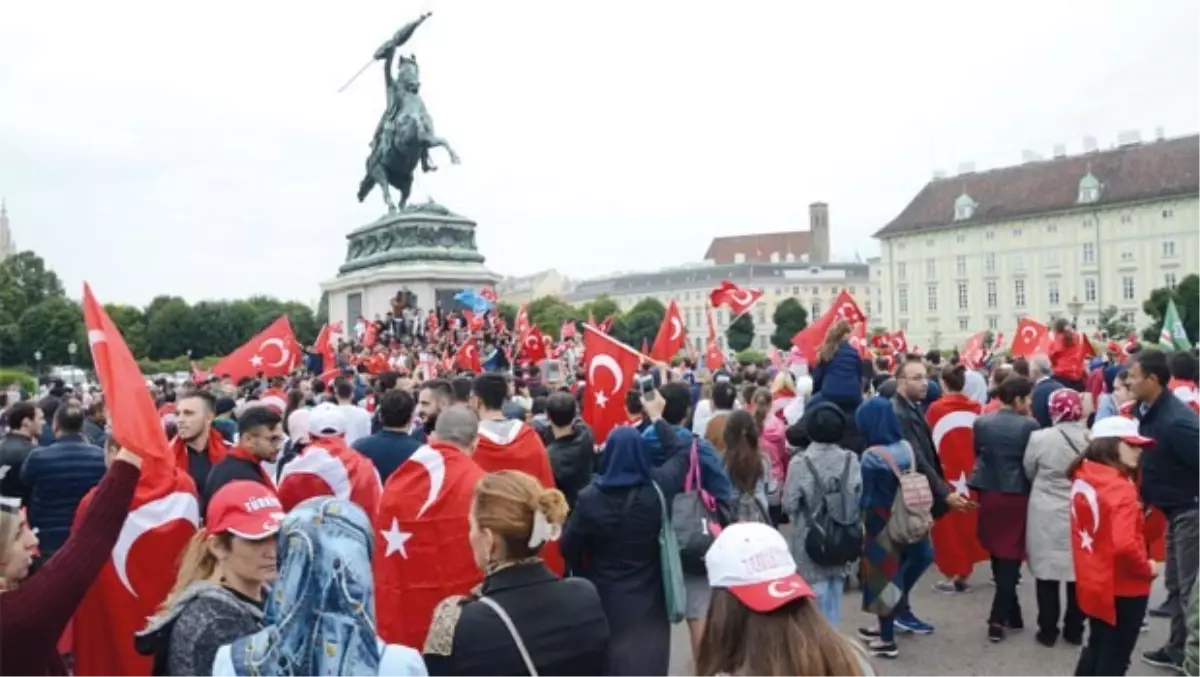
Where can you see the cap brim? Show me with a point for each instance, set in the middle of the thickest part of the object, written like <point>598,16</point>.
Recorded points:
<point>770,595</point>
<point>257,529</point>
<point>1137,440</point>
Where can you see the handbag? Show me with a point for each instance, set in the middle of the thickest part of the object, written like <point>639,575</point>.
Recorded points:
<point>672,568</point>
<point>512,630</point>
<point>695,519</point>
<point>912,509</point>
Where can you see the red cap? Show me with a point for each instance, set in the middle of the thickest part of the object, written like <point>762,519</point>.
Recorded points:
<point>248,510</point>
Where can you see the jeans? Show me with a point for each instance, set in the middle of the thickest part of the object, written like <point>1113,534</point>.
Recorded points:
<point>1109,647</point>
<point>829,598</point>
<point>1006,608</point>
<point>914,560</point>
<point>1183,557</point>
<point>1050,611</point>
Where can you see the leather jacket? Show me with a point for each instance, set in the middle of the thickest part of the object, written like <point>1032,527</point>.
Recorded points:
<point>1000,442</point>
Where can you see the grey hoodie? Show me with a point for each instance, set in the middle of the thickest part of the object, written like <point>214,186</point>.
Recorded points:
<point>205,617</point>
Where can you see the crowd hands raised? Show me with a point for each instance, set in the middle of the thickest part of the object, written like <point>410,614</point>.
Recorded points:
<point>423,519</point>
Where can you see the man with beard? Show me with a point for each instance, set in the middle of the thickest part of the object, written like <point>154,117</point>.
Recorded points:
<point>198,445</point>
<point>434,398</point>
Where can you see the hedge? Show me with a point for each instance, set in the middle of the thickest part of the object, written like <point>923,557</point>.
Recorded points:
<point>26,380</point>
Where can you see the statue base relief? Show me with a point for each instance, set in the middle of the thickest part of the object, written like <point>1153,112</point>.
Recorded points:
<point>424,250</point>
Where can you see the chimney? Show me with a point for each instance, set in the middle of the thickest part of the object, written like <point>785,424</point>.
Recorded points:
<point>1089,144</point>
<point>1129,137</point>
<point>818,228</point>
<point>966,168</point>
<point>1060,150</point>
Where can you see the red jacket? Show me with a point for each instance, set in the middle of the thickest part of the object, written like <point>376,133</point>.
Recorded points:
<point>1067,361</point>
<point>1118,555</point>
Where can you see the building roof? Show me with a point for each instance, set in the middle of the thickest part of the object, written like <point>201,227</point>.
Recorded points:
<point>751,274</point>
<point>758,248</point>
<point>1131,173</point>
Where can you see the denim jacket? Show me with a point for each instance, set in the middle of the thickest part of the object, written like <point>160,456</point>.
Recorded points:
<point>713,477</point>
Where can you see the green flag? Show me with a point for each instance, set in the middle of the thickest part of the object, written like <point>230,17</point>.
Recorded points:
<point>1173,335</point>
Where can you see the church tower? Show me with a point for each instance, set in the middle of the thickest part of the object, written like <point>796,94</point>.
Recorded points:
<point>7,246</point>
<point>818,228</point>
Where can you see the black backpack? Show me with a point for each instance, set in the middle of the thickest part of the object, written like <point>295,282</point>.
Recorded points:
<point>834,531</point>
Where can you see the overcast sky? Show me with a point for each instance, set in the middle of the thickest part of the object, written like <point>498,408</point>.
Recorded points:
<point>202,150</point>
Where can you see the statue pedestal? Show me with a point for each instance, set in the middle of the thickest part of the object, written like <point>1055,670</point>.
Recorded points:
<point>425,249</point>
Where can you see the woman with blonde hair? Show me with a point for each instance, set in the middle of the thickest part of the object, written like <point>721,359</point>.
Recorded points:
<point>218,593</point>
<point>764,618</point>
<point>522,619</point>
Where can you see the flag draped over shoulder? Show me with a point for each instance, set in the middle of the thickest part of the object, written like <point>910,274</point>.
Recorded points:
<point>956,547</point>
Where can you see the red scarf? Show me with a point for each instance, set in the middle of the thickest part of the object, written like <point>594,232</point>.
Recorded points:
<point>215,447</point>
<point>244,455</point>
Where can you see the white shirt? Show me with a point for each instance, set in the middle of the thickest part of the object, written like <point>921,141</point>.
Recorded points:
<point>394,659</point>
<point>358,422</point>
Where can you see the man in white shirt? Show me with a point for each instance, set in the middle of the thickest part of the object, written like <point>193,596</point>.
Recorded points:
<point>358,421</point>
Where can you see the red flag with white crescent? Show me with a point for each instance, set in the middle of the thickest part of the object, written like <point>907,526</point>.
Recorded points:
<point>956,547</point>
<point>973,351</point>
<point>568,330</point>
<point>521,325</point>
<point>738,299</point>
<point>272,352</point>
<point>610,367</point>
<point>422,549</point>
<point>533,345</point>
<point>1030,338</point>
<point>671,335</point>
<point>898,342</point>
<point>467,358</point>
<point>809,339</point>
<point>370,334</point>
<point>858,340</point>
<point>162,517</point>
<point>328,467</point>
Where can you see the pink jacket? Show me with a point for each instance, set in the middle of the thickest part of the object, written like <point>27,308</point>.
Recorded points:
<point>773,443</point>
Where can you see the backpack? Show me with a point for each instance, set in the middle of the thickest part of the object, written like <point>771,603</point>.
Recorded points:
<point>912,509</point>
<point>834,535</point>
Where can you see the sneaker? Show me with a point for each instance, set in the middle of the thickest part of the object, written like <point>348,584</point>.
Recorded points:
<point>952,587</point>
<point>881,649</point>
<point>868,634</point>
<point>1160,658</point>
<point>910,623</point>
<point>1160,611</point>
<point>995,633</point>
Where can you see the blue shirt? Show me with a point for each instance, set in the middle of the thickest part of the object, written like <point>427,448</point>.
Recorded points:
<point>387,449</point>
<point>713,477</point>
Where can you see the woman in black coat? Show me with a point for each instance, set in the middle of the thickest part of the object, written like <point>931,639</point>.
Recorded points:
<point>611,539</point>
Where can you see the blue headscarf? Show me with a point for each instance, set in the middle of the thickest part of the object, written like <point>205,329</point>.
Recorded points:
<point>877,422</point>
<point>626,462</point>
<point>320,614</point>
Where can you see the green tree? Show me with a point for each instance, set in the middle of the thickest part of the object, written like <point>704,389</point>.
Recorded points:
<point>634,328</point>
<point>1113,325</point>
<point>1187,300</point>
<point>25,282</point>
<point>601,308</point>
<point>789,318</point>
<point>740,333</point>
<point>509,312</point>
<point>171,328</point>
<point>304,322</point>
<point>132,324</point>
<point>10,337</point>
<point>649,305</point>
<point>548,313</point>
<point>50,327</point>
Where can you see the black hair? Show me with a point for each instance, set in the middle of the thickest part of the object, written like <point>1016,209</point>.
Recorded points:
<point>561,410</point>
<point>318,386</point>
<point>461,387</point>
<point>633,402</point>
<point>955,378</point>
<point>1153,363</point>
<point>68,420</point>
<point>678,400</point>
<point>440,386</point>
<point>491,389</point>
<point>723,396</point>
<point>21,412</point>
<point>1014,387</point>
<point>538,406</point>
<point>210,401</point>
<point>343,389</point>
<point>387,381</point>
<point>1184,365</point>
<point>534,371</point>
<point>258,417</point>
<point>396,409</point>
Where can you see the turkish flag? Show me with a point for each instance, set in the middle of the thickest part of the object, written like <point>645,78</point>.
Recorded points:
<point>1092,535</point>
<point>898,342</point>
<point>328,467</point>
<point>474,322</point>
<point>273,352</point>
<point>809,339</point>
<point>489,294</point>
<point>467,357</point>
<point>610,368</point>
<point>422,549</point>
<point>858,340</point>
<point>521,325</point>
<point>671,335</point>
<point>606,325</point>
<point>520,448</point>
<point>714,359</point>
<point>533,345</point>
<point>973,351</point>
<point>370,335</point>
<point>162,517</point>
<point>1030,338</point>
<point>729,294</point>
<point>956,547</point>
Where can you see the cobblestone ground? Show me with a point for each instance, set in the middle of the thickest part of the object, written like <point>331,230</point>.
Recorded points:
<point>959,645</point>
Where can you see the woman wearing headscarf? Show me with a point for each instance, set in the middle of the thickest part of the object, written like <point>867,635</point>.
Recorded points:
<point>1048,455</point>
<point>611,539</point>
<point>320,615</point>
<point>889,570</point>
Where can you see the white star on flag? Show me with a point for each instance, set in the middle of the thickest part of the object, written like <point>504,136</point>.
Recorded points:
<point>960,485</point>
<point>395,539</point>
<point>1085,540</point>
<point>601,399</point>
<point>256,361</point>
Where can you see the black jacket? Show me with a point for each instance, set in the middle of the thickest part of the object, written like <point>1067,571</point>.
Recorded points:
<point>14,449</point>
<point>572,459</point>
<point>1039,401</point>
<point>1000,441</point>
<point>1169,469</point>
<point>560,622</point>
<point>916,430</point>
<point>231,468</point>
<point>58,477</point>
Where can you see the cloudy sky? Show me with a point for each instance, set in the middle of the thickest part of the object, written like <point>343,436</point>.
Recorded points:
<point>205,151</point>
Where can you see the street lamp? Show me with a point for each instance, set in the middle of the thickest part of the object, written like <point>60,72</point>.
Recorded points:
<point>71,348</point>
<point>1075,307</point>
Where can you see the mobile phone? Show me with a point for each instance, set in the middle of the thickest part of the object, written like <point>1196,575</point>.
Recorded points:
<point>552,370</point>
<point>646,385</point>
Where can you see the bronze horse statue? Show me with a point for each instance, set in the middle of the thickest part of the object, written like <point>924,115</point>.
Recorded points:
<point>405,133</point>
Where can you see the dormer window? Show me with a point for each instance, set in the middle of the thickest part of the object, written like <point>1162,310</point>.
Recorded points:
<point>1089,188</point>
<point>964,207</point>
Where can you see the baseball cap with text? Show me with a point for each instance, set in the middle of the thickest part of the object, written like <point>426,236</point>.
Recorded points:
<point>246,509</point>
<point>1125,429</point>
<point>326,419</point>
<point>753,562</point>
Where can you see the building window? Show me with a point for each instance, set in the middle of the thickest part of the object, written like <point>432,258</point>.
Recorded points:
<point>1019,293</point>
<point>902,299</point>
<point>850,290</point>
<point>993,322</point>
<point>1169,279</point>
<point>1128,291</point>
<point>1128,317</point>
<point>989,235</point>
<point>929,242</point>
<point>962,295</point>
<point>816,307</point>
<point>1089,289</point>
<point>991,294</point>
<point>1168,213</point>
<point>1052,228</point>
<point>903,325</point>
<point>1052,289</point>
<point>1052,258</point>
<point>868,306</point>
<point>1089,253</point>
<point>1018,262</point>
<point>1126,218</point>
<point>816,290</point>
<point>901,270</point>
<point>1016,232</point>
<point>960,238</point>
<point>795,291</point>
<point>1168,249</point>
<point>931,298</point>
<point>960,265</point>
<point>931,269</point>
<point>762,314</point>
<point>989,262</point>
<point>1089,221</point>
<point>1127,255</point>
<point>1089,194</point>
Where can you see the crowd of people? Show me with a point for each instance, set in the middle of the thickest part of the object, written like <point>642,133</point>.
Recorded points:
<point>421,518</point>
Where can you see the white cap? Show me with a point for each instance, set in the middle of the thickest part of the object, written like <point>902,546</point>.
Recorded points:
<point>1125,429</point>
<point>326,420</point>
<point>753,562</point>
